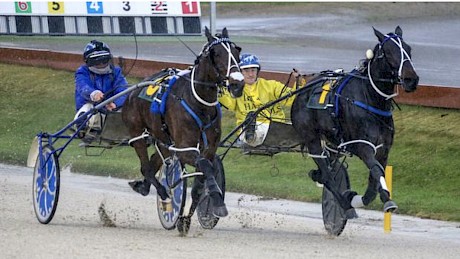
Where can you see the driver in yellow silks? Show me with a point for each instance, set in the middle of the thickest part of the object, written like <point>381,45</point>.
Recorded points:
<point>256,93</point>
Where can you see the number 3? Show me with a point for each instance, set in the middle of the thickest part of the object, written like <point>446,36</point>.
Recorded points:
<point>127,7</point>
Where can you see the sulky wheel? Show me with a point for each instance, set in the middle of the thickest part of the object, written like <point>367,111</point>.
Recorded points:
<point>45,186</point>
<point>334,216</point>
<point>204,210</point>
<point>170,177</point>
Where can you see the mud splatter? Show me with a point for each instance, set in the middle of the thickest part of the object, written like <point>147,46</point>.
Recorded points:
<point>105,218</point>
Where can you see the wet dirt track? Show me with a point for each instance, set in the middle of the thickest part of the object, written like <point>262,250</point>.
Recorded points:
<point>255,228</point>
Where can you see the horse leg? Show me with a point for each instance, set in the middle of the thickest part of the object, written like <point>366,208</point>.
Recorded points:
<point>204,165</point>
<point>324,175</point>
<point>376,183</point>
<point>156,162</point>
<point>148,169</point>
<point>142,187</point>
<point>197,190</point>
<point>370,194</point>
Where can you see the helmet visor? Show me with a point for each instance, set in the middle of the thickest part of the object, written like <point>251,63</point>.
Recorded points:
<point>249,66</point>
<point>98,58</point>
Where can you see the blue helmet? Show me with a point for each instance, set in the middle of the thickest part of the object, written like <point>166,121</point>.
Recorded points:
<point>249,60</point>
<point>96,52</point>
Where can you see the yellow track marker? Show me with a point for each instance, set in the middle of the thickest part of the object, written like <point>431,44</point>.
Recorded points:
<point>387,215</point>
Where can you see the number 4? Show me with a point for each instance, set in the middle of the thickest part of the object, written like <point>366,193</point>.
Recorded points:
<point>94,5</point>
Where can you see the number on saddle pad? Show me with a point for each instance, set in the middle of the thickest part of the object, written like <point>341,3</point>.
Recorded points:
<point>161,80</point>
<point>321,96</point>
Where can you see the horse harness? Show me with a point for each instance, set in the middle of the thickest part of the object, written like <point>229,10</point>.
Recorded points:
<point>232,62</point>
<point>335,82</point>
<point>341,81</point>
<point>394,77</point>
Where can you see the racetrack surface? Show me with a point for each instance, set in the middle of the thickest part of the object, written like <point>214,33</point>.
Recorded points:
<point>255,227</point>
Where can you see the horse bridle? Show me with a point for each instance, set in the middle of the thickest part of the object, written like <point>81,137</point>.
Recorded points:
<point>404,57</point>
<point>232,62</point>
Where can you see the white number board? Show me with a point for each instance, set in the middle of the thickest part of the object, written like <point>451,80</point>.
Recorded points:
<point>101,8</point>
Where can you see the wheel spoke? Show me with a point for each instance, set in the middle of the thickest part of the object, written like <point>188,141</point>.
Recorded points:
<point>46,185</point>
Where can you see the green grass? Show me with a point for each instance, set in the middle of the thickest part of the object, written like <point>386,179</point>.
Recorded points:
<point>425,155</point>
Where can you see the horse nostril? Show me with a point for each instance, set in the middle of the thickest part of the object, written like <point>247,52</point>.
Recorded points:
<point>236,90</point>
<point>410,84</point>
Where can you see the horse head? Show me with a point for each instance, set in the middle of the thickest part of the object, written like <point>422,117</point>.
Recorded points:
<point>224,57</point>
<point>397,55</point>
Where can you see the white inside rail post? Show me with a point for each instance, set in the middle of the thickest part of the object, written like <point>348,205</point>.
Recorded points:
<point>212,18</point>
<point>387,215</point>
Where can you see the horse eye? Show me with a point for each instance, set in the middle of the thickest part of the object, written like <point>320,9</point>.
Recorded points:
<point>394,60</point>
<point>408,49</point>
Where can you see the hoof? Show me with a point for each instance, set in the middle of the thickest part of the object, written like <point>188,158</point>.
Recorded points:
<point>351,214</point>
<point>220,212</point>
<point>390,206</point>
<point>183,225</point>
<point>140,187</point>
<point>218,206</point>
<point>161,191</point>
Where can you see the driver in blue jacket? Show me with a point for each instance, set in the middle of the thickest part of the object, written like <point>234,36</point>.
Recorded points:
<point>96,80</point>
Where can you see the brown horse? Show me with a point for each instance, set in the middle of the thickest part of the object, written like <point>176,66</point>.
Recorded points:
<point>190,126</point>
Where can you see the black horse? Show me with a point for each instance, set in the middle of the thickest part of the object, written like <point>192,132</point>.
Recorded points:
<point>191,122</point>
<point>358,118</point>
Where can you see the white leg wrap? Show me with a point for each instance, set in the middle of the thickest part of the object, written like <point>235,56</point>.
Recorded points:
<point>357,201</point>
<point>383,183</point>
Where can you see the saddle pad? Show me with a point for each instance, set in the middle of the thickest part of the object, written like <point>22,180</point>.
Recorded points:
<point>160,79</point>
<point>149,93</point>
<point>321,95</point>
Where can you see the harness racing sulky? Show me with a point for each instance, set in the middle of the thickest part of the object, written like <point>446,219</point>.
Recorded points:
<point>336,115</point>
<point>183,123</point>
